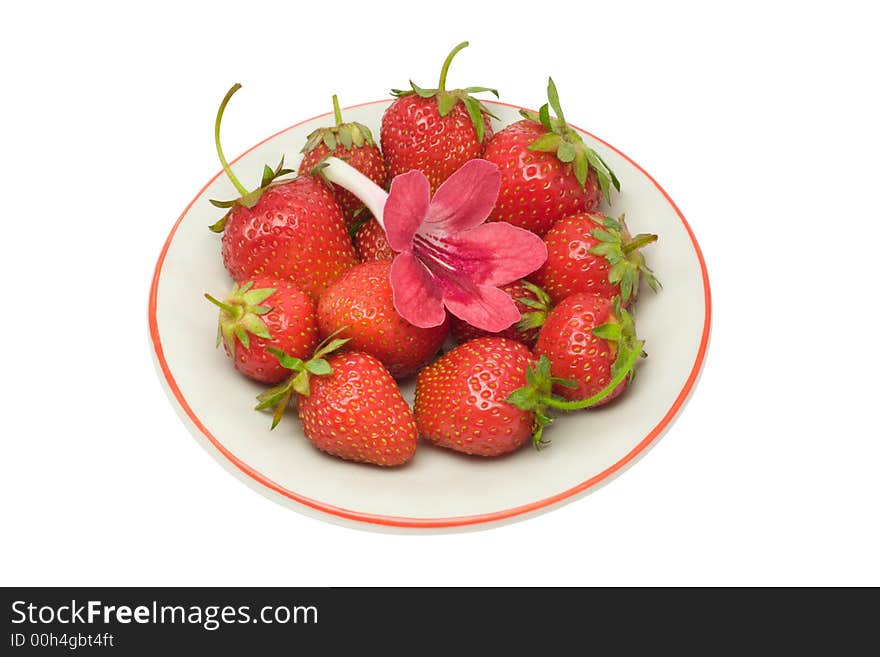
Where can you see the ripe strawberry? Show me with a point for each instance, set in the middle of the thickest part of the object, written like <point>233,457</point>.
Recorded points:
<point>588,339</point>
<point>266,313</point>
<point>349,406</point>
<point>547,171</point>
<point>371,244</point>
<point>290,231</point>
<point>352,142</point>
<point>532,303</point>
<point>435,130</point>
<point>594,253</point>
<point>460,398</point>
<point>360,306</point>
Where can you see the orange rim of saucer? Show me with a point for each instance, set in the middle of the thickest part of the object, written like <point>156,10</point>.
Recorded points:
<point>452,521</point>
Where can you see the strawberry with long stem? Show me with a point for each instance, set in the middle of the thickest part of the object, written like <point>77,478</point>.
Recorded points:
<point>587,351</point>
<point>291,230</point>
<point>435,130</point>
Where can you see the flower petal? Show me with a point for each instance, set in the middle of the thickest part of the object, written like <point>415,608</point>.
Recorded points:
<point>416,296</point>
<point>483,306</point>
<point>465,199</point>
<point>405,208</point>
<point>495,253</point>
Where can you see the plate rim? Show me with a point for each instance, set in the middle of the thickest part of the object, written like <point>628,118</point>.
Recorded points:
<point>411,521</point>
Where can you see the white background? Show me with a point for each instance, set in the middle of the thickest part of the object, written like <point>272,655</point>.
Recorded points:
<point>760,120</point>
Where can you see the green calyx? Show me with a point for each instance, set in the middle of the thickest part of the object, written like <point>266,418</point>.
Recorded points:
<point>279,397</point>
<point>628,266</point>
<point>447,100</point>
<point>535,317</point>
<point>568,145</point>
<point>534,397</point>
<point>348,135</point>
<point>247,199</point>
<point>241,315</point>
<point>537,395</point>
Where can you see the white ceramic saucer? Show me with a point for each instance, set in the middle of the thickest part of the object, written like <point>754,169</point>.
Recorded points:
<point>438,489</point>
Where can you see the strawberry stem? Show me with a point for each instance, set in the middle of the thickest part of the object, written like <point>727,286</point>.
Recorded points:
<point>241,189</point>
<point>616,380</point>
<point>445,69</point>
<point>638,242</point>
<point>337,113</point>
<point>235,311</point>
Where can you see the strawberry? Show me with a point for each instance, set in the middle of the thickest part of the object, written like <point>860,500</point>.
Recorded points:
<point>587,339</point>
<point>370,242</point>
<point>349,406</point>
<point>460,398</point>
<point>266,313</point>
<point>594,253</point>
<point>586,351</point>
<point>360,306</point>
<point>547,171</point>
<point>352,142</point>
<point>532,303</point>
<point>435,130</point>
<point>291,231</point>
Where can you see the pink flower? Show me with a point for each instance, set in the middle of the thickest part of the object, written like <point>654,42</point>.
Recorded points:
<point>448,258</point>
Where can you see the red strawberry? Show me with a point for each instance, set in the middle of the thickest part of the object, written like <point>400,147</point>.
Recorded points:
<point>594,253</point>
<point>547,171</point>
<point>371,244</point>
<point>352,142</point>
<point>532,304</point>
<point>349,406</point>
<point>362,300</point>
<point>435,130</point>
<point>588,339</point>
<point>291,231</point>
<point>261,314</point>
<point>460,398</point>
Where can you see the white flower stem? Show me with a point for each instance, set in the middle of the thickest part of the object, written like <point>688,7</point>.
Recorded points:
<point>345,175</point>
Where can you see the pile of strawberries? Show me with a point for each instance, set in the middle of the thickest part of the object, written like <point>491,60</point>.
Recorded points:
<point>312,312</point>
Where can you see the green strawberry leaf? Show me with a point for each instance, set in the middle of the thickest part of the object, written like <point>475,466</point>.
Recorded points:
<point>473,110</point>
<point>445,103</point>
<point>546,143</point>
<point>544,117</point>
<point>253,324</point>
<point>319,366</point>
<point>529,321</point>
<point>581,170</point>
<point>286,361</point>
<point>531,303</point>
<point>300,383</point>
<point>280,408</point>
<point>476,90</point>
<point>617,270</point>
<point>566,152</point>
<point>553,97</point>
<point>626,283</point>
<point>344,134</point>
<point>604,236</point>
<point>610,331</point>
<point>222,204</point>
<point>424,93</point>
<point>253,297</point>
